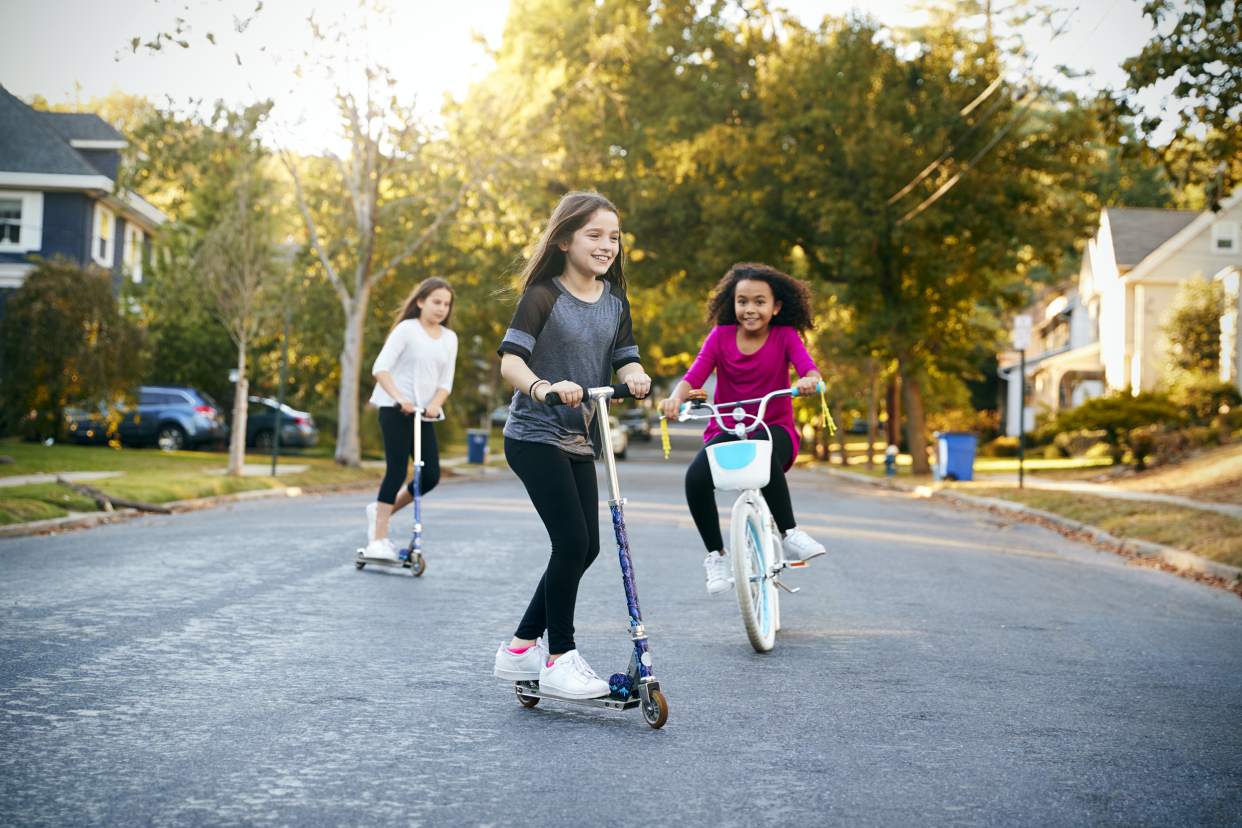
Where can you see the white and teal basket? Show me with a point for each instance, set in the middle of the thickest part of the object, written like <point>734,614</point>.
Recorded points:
<point>745,464</point>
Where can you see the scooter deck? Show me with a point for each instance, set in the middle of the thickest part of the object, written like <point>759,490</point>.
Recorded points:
<point>530,689</point>
<point>360,558</point>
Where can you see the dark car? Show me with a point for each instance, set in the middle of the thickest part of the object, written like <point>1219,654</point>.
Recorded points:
<point>636,424</point>
<point>297,428</point>
<point>172,417</point>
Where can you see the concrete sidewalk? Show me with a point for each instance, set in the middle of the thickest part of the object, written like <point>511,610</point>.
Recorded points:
<point>1104,490</point>
<point>72,477</point>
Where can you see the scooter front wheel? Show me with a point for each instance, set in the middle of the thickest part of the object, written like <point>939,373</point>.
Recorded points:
<point>655,712</point>
<point>418,565</point>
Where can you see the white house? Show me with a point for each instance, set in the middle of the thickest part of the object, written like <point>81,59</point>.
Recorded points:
<point>1101,333</point>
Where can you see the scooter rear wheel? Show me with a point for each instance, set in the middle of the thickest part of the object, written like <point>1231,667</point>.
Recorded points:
<point>655,713</point>
<point>526,701</point>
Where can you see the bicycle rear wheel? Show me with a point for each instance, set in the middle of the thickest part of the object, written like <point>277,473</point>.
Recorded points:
<point>756,592</point>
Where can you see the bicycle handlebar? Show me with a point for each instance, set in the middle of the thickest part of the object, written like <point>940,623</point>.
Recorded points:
<point>686,408</point>
<point>617,392</point>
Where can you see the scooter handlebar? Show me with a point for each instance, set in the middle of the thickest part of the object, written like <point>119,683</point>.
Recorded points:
<point>619,392</point>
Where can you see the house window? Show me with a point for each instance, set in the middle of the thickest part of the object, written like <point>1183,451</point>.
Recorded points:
<point>101,241</point>
<point>132,255</point>
<point>1224,237</point>
<point>11,221</point>
<point>21,221</point>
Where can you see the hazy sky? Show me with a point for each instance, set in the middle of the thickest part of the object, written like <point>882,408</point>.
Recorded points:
<point>54,43</point>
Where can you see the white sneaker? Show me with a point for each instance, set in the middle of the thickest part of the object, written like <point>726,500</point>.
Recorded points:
<point>799,546</point>
<point>382,549</point>
<point>717,574</point>
<point>526,666</point>
<point>372,508</point>
<point>571,678</point>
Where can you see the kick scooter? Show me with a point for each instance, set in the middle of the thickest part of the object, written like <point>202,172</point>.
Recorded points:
<point>411,557</point>
<point>637,686</point>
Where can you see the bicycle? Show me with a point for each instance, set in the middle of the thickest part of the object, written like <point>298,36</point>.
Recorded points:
<point>756,548</point>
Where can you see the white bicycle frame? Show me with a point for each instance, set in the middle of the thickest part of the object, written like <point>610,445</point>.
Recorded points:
<point>773,550</point>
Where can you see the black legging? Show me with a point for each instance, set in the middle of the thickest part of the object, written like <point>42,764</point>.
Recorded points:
<point>398,430</point>
<point>700,491</point>
<point>563,488</point>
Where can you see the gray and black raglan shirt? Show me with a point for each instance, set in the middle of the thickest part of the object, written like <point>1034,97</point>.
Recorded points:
<point>562,337</point>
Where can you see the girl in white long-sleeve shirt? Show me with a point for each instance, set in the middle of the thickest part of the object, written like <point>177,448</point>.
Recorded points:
<point>414,369</point>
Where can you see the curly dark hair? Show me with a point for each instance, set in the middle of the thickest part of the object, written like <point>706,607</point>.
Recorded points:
<point>797,302</point>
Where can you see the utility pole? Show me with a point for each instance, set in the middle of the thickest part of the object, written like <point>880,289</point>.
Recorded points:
<point>1021,341</point>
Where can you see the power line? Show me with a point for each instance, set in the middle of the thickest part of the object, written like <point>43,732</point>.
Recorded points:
<point>991,88</point>
<point>1017,117</point>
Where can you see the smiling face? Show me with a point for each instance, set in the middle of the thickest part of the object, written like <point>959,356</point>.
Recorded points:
<point>435,306</point>
<point>595,245</point>
<point>754,305</point>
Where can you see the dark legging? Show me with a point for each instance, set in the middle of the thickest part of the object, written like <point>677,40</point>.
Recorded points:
<point>700,492</point>
<point>563,489</point>
<point>398,429</point>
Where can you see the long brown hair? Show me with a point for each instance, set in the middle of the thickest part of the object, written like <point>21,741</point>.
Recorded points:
<point>572,212</point>
<point>797,301</point>
<point>411,310</point>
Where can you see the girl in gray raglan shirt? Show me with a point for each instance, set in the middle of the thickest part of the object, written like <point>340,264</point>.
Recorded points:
<point>571,331</point>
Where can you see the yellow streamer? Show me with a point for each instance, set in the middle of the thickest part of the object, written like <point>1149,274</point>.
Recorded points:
<point>664,437</point>
<point>828,421</point>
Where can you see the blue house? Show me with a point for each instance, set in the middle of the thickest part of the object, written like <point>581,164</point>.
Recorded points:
<point>57,176</point>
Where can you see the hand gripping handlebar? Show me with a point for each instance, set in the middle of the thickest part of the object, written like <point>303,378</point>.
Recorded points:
<point>616,392</point>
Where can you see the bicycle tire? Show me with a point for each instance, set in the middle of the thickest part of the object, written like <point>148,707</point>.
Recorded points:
<point>755,598</point>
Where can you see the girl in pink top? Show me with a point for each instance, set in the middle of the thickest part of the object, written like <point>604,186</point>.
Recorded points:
<point>758,312</point>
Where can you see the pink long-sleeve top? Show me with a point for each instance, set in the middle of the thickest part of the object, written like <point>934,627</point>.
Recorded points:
<point>749,376</point>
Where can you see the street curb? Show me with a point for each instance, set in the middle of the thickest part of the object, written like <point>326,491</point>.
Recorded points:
<point>38,527</point>
<point>1179,559</point>
<point>41,527</point>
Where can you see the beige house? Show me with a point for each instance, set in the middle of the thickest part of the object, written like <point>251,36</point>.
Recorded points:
<point>1101,333</point>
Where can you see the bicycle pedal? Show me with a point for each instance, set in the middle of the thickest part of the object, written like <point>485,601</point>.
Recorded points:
<point>795,563</point>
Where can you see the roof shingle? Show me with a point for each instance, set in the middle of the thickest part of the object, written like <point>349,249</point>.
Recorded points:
<point>85,126</point>
<point>29,144</point>
<point>1137,232</point>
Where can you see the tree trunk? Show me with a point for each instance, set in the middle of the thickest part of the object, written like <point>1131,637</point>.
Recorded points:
<point>916,437</point>
<point>241,403</point>
<point>892,407</point>
<point>348,442</point>
<point>872,416</point>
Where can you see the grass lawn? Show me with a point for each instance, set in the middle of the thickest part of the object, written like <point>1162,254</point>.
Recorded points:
<point>1209,534</point>
<point>150,475</point>
<point>983,465</point>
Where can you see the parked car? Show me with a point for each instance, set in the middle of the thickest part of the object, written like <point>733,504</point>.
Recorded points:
<point>620,440</point>
<point>858,426</point>
<point>297,428</point>
<point>636,424</point>
<point>500,416</point>
<point>175,418</point>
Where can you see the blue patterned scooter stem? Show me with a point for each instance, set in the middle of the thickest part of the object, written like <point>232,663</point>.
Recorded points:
<point>631,593</point>
<point>416,545</point>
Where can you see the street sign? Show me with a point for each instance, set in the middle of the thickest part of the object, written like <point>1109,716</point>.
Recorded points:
<point>1022,332</point>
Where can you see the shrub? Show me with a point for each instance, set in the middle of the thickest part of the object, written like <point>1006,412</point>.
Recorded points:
<point>64,343</point>
<point>1118,414</point>
<point>1000,447</point>
<point>1078,443</point>
<point>1052,452</point>
<point>1202,396</point>
<point>982,423</point>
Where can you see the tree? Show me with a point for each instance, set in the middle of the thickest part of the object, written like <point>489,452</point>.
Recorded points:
<point>1188,343</point>
<point>1198,45</point>
<point>64,343</point>
<point>236,265</point>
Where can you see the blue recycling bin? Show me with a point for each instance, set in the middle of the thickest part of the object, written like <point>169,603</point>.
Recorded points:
<point>476,445</point>
<point>956,455</point>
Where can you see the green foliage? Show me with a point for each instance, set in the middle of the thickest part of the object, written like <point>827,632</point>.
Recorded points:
<point>63,343</point>
<point>1189,338</point>
<point>1198,44</point>
<point>1203,396</point>
<point>1127,419</point>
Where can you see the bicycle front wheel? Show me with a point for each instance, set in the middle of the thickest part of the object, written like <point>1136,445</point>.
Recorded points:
<point>756,591</point>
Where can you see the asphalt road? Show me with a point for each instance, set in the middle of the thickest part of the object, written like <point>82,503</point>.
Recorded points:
<point>939,667</point>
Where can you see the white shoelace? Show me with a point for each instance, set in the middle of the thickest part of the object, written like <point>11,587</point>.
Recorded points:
<point>715,566</point>
<point>578,665</point>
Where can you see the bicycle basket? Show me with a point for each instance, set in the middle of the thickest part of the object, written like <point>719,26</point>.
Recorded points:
<point>745,464</point>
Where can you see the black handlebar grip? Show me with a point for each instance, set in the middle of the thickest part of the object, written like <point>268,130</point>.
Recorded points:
<point>619,392</point>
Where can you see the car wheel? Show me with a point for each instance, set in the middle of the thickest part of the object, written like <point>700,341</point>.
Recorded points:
<point>263,441</point>
<point>171,438</point>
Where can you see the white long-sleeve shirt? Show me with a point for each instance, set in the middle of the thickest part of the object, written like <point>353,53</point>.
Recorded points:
<point>418,364</point>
